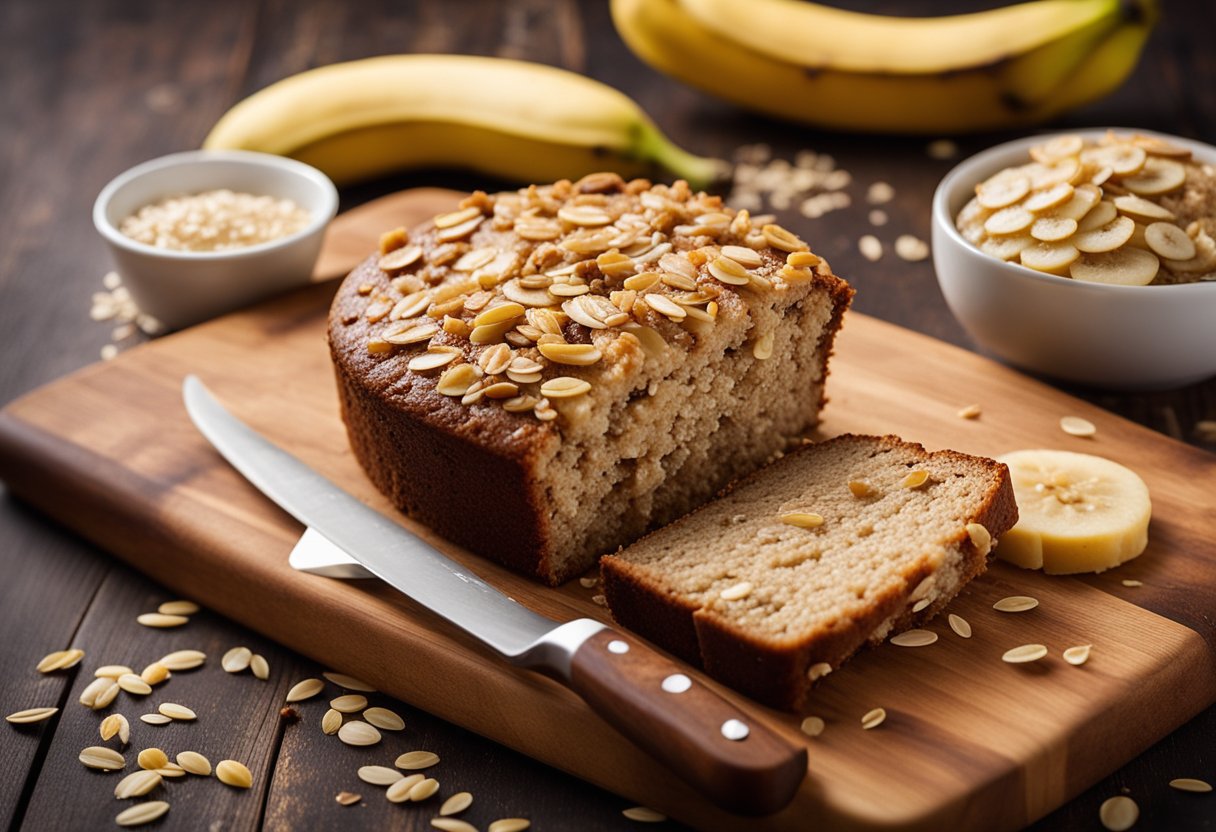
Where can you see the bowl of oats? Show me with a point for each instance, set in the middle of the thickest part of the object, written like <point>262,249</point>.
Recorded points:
<point>200,233</point>
<point>1087,256</point>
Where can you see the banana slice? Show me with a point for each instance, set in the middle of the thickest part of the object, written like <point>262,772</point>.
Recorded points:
<point>1006,248</point>
<point>1002,190</point>
<point>1009,220</point>
<point>1054,258</point>
<point>1127,266</point>
<point>1076,512</point>
<point>1045,198</point>
<point>1141,209</point>
<point>1084,198</point>
<point>1098,216</point>
<point>1053,229</point>
<point>1107,237</point>
<point>1158,176</point>
<point>1122,159</point>
<point>1169,241</point>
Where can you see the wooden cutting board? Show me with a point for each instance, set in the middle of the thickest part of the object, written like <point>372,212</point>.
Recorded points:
<point>969,741</point>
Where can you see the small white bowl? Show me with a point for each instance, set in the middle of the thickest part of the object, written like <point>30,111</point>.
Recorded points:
<point>1117,337</point>
<point>180,288</point>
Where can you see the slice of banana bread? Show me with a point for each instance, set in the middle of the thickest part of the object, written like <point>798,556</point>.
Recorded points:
<point>545,375</point>
<point>839,543</point>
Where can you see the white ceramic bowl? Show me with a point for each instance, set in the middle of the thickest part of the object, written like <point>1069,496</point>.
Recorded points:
<point>1117,337</point>
<point>180,288</point>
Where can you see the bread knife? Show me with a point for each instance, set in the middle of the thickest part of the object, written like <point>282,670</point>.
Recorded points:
<point>728,757</point>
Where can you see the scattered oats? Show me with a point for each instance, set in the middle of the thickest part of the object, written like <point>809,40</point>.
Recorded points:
<point>178,608</point>
<point>1118,813</point>
<point>236,659</point>
<point>115,725</point>
<point>184,659</point>
<point>912,249</point>
<point>175,711</point>
<point>232,773</point>
<point>1190,784</point>
<point>914,638</point>
<point>155,673</point>
<point>941,149</point>
<point>134,685</point>
<point>331,722</point>
<point>588,583</point>
<point>100,757</point>
<point>306,689</point>
<point>456,804</point>
<point>416,760</point>
<point>873,718</point>
<point>137,784</point>
<point>1077,655</point>
<point>156,619</point>
<point>60,660</point>
<point>1016,603</point>
<point>348,682</point>
<point>878,216</point>
<point>923,603</point>
<point>643,814</point>
<point>259,666</point>
<point>600,600</point>
<point>88,696</point>
<point>452,825</point>
<point>108,353</point>
<point>111,280</point>
<point>357,732</point>
<point>112,671</point>
<point>424,790</point>
<point>880,193</point>
<point>737,592</point>
<point>818,670</point>
<point>1076,426</point>
<point>399,792</point>
<point>802,519</point>
<point>813,726</point>
<point>142,813</point>
<point>1132,582</point>
<point>509,825</point>
<point>1024,653</point>
<point>915,479</point>
<point>870,248</point>
<point>155,719</point>
<point>860,488</point>
<point>971,411</point>
<point>31,715</point>
<point>384,719</point>
<point>349,704</point>
<point>171,770</point>
<point>152,759</point>
<point>960,625</point>
<point>194,763</point>
<point>348,798</point>
<point>379,775</point>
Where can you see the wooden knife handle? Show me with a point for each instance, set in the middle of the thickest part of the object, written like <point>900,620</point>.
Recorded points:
<point>732,759</point>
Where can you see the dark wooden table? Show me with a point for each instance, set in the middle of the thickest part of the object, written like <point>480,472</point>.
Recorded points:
<point>89,89</point>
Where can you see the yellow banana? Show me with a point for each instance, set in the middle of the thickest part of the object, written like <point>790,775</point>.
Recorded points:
<point>806,62</point>
<point>511,119</point>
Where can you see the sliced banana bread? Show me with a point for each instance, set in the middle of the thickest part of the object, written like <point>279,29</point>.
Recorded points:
<point>542,376</point>
<point>837,544</point>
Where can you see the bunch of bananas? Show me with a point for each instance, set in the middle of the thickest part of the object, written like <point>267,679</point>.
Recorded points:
<point>511,119</point>
<point>807,62</point>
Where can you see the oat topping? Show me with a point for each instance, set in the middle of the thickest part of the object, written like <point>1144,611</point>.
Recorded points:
<point>507,299</point>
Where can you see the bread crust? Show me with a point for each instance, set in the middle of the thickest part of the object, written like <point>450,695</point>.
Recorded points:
<point>776,673</point>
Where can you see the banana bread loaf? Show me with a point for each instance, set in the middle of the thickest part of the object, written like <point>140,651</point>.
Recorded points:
<point>542,376</point>
<point>837,544</point>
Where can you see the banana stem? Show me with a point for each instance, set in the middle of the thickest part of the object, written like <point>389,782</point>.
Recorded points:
<point>700,171</point>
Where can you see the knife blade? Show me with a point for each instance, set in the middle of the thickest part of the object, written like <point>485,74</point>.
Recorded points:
<point>732,759</point>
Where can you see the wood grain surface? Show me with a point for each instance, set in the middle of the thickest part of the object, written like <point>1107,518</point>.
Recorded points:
<point>87,90</point>
<point>980,743</point>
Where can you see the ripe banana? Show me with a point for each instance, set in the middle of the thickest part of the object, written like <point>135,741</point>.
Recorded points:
<point>1076,512</point>
<point>845,70</point>
<point>511,119</point>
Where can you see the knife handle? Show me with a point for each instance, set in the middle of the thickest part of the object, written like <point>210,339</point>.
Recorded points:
<point>731,758</point>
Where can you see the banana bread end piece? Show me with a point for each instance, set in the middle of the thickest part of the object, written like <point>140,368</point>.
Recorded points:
<point>786,575</point>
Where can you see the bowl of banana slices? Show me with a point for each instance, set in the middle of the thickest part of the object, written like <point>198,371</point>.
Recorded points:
<point>1085,256</point>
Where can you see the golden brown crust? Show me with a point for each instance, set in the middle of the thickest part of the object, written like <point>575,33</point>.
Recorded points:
<point>776,673</point>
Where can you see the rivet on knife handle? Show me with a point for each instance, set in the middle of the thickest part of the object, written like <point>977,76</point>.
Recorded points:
<point>716,747</point>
